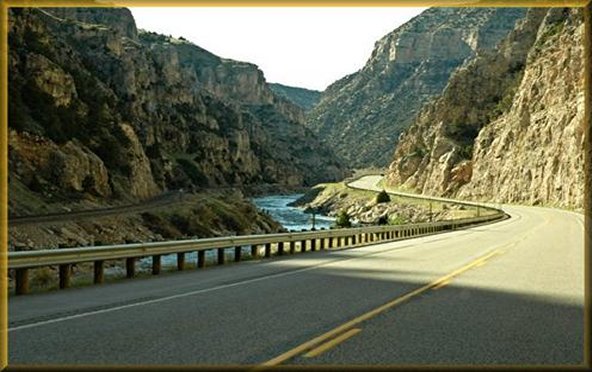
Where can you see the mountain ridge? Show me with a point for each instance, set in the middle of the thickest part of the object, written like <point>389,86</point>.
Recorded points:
<point>367,110</point>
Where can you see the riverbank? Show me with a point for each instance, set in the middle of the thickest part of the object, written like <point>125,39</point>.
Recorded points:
<point>362,207</point>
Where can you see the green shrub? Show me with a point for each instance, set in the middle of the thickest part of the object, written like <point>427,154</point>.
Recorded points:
<point>396,220</point>
<point>343,220</point>
<point>383,197</point>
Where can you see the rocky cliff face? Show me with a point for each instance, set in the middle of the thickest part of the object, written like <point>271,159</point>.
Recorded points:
<point>102,114</point>
<point>128,115</point>
<point>362,115</point>
<point>509,126</point>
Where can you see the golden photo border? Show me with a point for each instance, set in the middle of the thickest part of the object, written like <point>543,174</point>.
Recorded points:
<point>5,5</point>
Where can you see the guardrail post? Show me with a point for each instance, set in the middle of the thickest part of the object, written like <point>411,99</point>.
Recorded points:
<point>156,264</point>
<point>221,257</point>
<point>237,253</point>
<point>353,240</point>
<point>22,281</point>
<point>313,245</point>
<point>130,267</point>
<point>303,246</point>
<point>254,251</point>
<point>292,247</point>
<point>322,244</point>
<point>65,276</point>
<point>280,248</point>
<point>330,243</point>
<point>267,250</point>
<point>98,276</point>
<point>180,261</point>
<point>201,258</point>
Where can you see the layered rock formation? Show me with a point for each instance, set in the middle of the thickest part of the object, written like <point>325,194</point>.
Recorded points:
<point>509,126</point>
<point>362,115</point>
<point>101,113</point>
<point>156,113</point>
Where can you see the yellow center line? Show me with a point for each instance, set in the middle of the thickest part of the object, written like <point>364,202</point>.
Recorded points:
<point>370,314</point>
<point>331,344</point>
<point>442,284</point>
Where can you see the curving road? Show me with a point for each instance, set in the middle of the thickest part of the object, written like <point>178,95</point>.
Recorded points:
<point>505,293</point>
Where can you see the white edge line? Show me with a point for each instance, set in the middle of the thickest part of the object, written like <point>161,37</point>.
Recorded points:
<point>205,290</point>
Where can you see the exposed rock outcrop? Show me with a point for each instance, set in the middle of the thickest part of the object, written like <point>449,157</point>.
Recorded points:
<point>102,114</point>
<point>160,113</point>
<point>509,126</point>
<point>362,115</point>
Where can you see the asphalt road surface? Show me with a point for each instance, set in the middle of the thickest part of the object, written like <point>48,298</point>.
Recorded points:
<point>509,293</point>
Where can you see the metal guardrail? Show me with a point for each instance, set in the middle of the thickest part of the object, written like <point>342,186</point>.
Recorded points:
<point>283,243</point>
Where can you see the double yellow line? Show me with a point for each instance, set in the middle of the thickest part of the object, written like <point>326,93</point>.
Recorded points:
<point>347,330</point>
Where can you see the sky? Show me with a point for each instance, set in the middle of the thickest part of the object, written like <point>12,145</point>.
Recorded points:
<point>303,47</point>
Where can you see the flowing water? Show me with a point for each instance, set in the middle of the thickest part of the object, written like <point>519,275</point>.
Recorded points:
<point>291,218</point>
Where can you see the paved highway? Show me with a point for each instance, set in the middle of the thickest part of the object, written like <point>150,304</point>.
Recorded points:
<point>506,293</point>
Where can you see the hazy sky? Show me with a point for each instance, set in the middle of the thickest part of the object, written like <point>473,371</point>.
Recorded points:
<point>303,47</point>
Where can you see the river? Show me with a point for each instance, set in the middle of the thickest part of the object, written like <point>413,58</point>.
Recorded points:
<point>290,218</point>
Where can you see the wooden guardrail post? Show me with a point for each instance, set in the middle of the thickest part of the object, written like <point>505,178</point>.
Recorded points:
<point>254,251</point>
<point>267,250</point>
<point>221,257</point>
<point>353,240</point>
<point>292,247</point>
<point>330,243</point>
<point>65,271</point>
<point>181,261</point>
<point>313,245</point>
<point>303,246</point>
<point>156,264</point>
<point>98,274</point>
<point>322,244</point>
<point>130,267</point>
<point>201,259</point>
<point>280,248</point>
<point>22,281</point>
<point>238,250</point>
